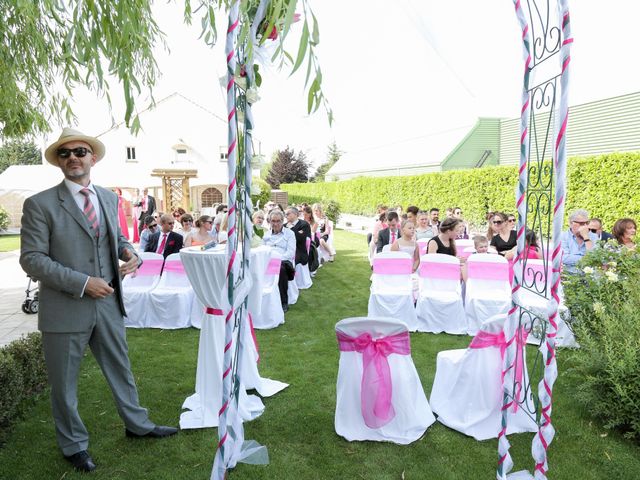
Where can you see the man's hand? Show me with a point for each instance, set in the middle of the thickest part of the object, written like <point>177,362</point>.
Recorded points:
<point>584,232</point>
<point>97,288</point>
<point>130,265</point>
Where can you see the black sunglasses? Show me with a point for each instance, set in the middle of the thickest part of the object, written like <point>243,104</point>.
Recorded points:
<point>593,230</point>
<point>79,152</point>
<point>497,222</point>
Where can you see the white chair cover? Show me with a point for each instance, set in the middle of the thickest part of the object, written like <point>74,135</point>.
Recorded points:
<point>487,291</point>
<point>293,292</point>
<point>136,290</point>
<point>173,299</point>
<point>323,255</point>
<point>467,389</point>
<point>538,302</point>
<point>303,275</point>
<point>412,412</point>
<point>439,307</point>
<point>462,243</point>
<point>392,289</point>
<point>271,314</point>
<point>207,272</point>
<point>386,248</point>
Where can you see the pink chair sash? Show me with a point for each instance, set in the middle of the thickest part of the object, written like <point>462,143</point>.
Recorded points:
<point>376,386</point>
<point>150,268</point>
<point>485,340</point>
<point>423,247</point>
<point>175,267</point>
<point>488,270</point>
<point>273,267</point>
<point>443,271</point>
<point>392,266</point>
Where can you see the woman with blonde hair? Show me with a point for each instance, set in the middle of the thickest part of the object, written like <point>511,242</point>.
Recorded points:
<point>407,243</point>
<point>323,233</point>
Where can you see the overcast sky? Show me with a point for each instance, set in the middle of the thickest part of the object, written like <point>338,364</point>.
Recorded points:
<point>396,70</point>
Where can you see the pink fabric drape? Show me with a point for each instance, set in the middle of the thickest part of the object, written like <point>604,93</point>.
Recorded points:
<point>175,267</point>
<point>444,271</point>
<point>488,270</point>
<point>485,339</point>
<point>150,268</point>
<point>273,267</point>
<point>392,266</point>
<point>376,386</point>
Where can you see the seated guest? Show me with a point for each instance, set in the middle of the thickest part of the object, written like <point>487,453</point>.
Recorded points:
<point>323,232</point>
<point>222,208</point>
<point>481,244</point>
<point>302,231</point>
<point>177,213</point>
<point>532,249</point>
<point>221,224</point>
<point>258,229</point>
<point>380,209</point>
<point>284,241</point>
<point>595,226</point>
<point>434,220</point>
<point>201,234</point>
<point>492,230</point>
<point>390,234</point>
<point>148,229</point>
<point>448,213</point>
<point>406,243</point>
<point>511,220</point>
<point>457,213</point>
<point>624,231</point>
<point>381,224</point>
<point>186,225</point>
<point>504,239</point>
<point>412,214</point>
<point>423,230</point>
<point>445,241</point>
<point>165,241</point>
<point>577,241</point>
<point>307,216</point>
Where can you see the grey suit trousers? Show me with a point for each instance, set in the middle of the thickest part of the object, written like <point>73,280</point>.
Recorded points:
<point>63,355</point>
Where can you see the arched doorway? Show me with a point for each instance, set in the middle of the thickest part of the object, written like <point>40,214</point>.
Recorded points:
<point>210,196</point>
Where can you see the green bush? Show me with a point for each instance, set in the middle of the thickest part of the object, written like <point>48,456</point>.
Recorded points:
<point>265,191</point>
<point>4,219</point>
<point>606,185</point>
<point>332,209</point>
<point>604,301</point>
<point>22,376</point>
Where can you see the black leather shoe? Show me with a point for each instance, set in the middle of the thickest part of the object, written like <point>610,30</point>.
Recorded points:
<point>285,308</point>
<point>159,431</point>
<point>81,461</point>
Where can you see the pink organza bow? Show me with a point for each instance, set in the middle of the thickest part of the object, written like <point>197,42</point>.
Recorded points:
<point>376,386</point>
<point>486,339</point>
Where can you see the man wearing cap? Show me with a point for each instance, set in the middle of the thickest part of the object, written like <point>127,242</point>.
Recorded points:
<point>71,243</point>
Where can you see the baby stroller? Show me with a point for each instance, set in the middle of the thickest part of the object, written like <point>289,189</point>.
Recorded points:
<point>30,305</point>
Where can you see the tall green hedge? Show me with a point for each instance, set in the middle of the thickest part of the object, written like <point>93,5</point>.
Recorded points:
<point>606,185</point>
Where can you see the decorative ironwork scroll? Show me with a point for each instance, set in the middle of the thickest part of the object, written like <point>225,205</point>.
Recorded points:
<point>540,196</point>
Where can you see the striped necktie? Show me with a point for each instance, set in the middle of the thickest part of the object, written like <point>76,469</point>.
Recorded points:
<point>90,212</point>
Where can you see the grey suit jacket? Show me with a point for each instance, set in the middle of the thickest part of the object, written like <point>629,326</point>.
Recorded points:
<point>57,248</point>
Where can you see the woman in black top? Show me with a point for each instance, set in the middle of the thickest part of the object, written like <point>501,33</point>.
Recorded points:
<point>506,239</point>
<point>444,242</point>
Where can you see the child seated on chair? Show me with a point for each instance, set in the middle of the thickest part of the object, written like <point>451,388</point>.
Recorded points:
<point>481,244</point>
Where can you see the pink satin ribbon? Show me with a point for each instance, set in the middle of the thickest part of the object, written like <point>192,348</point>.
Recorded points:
<point>443,271</point>
<point>175,267</point>
<point>150,268</point>
<point>273,267</point>
<point>485,339</point>
<point>488,270</point>
<point>376,386</point>
<point>392,266</point>
<point>219,312</point>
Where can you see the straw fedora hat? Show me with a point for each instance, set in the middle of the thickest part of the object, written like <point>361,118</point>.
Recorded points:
<point>71,135</point>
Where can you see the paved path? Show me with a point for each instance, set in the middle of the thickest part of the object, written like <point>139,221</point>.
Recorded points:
<point>13,283</point>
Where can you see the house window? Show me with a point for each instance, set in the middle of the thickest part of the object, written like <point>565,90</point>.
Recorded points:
<point>131,154</point>
<point>181,151</point>
<point>224,156</point>
<point>210,196</point>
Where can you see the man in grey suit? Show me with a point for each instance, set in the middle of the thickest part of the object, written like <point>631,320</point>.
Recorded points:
<point>71,243</point>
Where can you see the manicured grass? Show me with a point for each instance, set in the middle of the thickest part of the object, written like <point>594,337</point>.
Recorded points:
<point>9,243</point>
<point>297,426</point>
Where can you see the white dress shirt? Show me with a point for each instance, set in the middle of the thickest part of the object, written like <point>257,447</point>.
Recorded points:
<point>284,242</point>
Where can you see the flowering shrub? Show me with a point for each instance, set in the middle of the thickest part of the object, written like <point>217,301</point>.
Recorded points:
<point>604,301</point>
<point>4,219</point>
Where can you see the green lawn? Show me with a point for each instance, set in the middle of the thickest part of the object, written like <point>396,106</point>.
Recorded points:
<point>297,426</point>
<point>9,243</point>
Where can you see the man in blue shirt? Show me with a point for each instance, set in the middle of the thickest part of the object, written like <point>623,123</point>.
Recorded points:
<point>284,241</point>
<point>577,241</point>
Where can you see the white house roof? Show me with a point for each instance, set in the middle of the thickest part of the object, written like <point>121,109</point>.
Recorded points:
<point>423,151</point>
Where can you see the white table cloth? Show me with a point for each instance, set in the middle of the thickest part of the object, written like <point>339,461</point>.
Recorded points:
<point>207,273</point>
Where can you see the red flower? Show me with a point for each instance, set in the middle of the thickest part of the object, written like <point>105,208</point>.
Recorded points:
<point>172,243</point>
<point>274,33</point>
